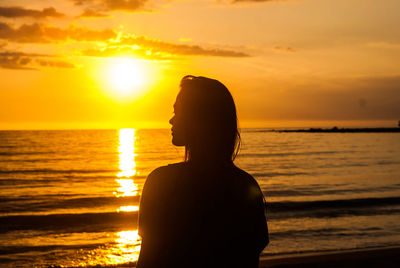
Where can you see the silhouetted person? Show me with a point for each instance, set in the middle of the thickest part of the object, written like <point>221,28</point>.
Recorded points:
<point>204,212</point>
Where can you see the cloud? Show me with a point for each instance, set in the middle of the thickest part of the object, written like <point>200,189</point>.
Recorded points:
<point>384,45</point>
<point>124,4</point>
<point>29,61</point>
<point>179,49</point>
<point>285,49</point>
<point>92,13</point>
<point>113,44</point>
<point>57,64</point>
<point>257,1</point>
<point>157,49</point>
<point>113,5</point>
<point>15,12</point>
<point>39,33</point>
<point>120,51</point>
<point>15,60</point>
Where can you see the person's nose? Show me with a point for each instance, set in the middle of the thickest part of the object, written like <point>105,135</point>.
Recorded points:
<point>171,121</point>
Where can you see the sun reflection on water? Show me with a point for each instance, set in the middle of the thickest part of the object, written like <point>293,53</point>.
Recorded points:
<point>128,188</point>
<point>126,151</point>
<point>127,248</point>
<point>127,245</point>
<point>128,208</point>
<point>127,163</point>
<point>115,250</point>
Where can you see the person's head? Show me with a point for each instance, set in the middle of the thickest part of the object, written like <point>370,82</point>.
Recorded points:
<point>205,119</point>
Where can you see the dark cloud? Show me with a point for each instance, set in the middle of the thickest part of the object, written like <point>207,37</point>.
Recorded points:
<point>15,60</point>
<point>156,49</point>
<point>39,33</point>
<point>57,64</point>
<point>15,12</point>
<point>81,2</point>
<point>111,5</point>
<point>257,1</point>
<point>286,49</point>
<point>92,13</point>
<point>124,4</point>
<point>29,61</point>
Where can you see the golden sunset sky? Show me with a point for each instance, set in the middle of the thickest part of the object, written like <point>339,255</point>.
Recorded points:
<point>118,63</point>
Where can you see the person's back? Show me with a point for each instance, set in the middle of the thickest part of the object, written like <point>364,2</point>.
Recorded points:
<point>204,212</point>
<point>201,216</point>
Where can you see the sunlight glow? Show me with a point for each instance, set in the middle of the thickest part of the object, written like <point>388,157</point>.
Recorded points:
<point>126,75</point>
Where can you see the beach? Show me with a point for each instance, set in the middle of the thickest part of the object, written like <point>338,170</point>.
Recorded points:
<point>374,257</point>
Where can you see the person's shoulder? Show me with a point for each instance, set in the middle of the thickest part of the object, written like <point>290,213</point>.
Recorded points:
<point>161,176</point>
<point>248,183</point>
<point>165,170</point>
<point>246,177</point>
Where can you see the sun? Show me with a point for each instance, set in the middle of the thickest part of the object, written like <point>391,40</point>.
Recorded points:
<point>126,75</point>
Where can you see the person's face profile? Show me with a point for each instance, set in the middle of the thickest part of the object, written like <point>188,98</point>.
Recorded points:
<point>178,126</point>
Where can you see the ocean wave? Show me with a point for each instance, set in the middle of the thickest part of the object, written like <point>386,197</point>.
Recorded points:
<point>28,181</point>
<point>36,160</point>
<point>277,174</point>
<point>312,190</point>
<point>90,222</point>
<point>8,146</point>
<point>52,202</point>
<point>329,204</point>
<point>25,153</point>
<point>376,246</point>
<point>6,250</point>
<point>85,222</point>
<point>333,208</point>
<point>261,155</point>
<point>56,171</point>
<point>324,232</point>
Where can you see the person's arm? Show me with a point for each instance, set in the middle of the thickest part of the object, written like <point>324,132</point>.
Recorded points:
<point>260,225</point>
<point>253,236</point>
<point>147,221</point>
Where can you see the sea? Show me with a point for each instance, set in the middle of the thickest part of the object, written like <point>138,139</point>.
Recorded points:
<point>70,198</point>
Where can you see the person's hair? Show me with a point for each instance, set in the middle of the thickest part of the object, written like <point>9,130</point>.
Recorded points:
<point>211,118</point>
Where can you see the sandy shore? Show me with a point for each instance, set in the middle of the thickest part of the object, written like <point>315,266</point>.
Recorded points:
<point>374,257</point>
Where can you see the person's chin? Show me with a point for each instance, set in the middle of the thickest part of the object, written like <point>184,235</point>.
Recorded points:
<point>177,142</point>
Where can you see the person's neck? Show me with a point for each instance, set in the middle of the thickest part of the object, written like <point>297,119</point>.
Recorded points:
<point>207,158</point>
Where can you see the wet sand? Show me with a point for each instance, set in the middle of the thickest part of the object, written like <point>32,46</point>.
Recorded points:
<point>374,257</point>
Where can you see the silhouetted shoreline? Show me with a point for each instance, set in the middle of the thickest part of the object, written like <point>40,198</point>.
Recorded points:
<point>343,130</point>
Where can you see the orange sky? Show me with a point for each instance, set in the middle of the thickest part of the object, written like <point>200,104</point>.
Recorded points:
<point>287,63</point>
